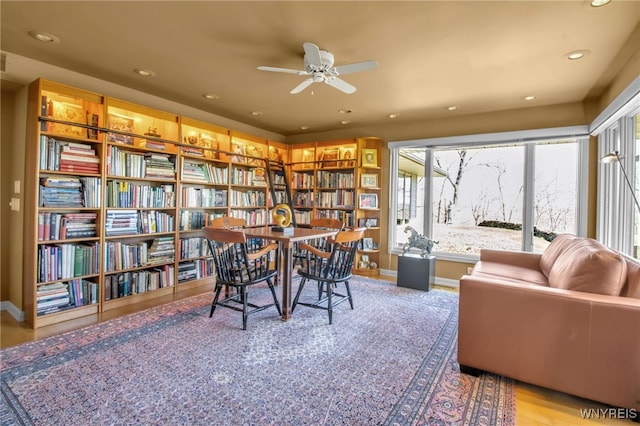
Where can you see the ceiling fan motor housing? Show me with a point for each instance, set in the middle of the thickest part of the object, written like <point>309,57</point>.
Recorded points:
<point>326,62</point>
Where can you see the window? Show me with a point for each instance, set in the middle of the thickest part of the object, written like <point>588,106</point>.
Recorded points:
<point>618,195</point>
<point>512,194</point>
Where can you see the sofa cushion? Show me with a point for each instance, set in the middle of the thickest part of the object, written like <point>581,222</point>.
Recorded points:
<point>508,272</point>
<point>632,286</point>
<point>559,244</point>
<point>586,265</point>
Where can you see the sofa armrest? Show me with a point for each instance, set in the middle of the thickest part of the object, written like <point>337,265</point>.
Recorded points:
<point>584,344</point>
<point>515,258</point>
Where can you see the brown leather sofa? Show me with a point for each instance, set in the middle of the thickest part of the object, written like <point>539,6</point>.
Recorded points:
<point>567,319</point>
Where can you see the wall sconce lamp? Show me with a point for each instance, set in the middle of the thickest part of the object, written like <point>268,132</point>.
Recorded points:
<point>614,157</point>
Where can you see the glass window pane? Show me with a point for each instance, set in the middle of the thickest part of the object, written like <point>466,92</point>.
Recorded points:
<point>478,204</point>
<point>555,192</point>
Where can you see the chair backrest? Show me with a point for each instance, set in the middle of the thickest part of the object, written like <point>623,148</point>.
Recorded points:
<point>227,222</point>
<point>326,223</point>
<point>234,262</point>
<point>336,265</point>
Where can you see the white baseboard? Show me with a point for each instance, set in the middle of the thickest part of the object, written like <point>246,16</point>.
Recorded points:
<point>16,313</point>
<point>444,282</point>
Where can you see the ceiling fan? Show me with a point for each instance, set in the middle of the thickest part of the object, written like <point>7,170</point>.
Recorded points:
<point>318,64</point>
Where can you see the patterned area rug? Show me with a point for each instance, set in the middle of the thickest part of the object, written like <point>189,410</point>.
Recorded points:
<point>390,361</point>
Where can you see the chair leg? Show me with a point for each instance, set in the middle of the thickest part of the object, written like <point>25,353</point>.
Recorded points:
<point>346,284</point>
<point>295,299</point>
<point>275,298</point>
<point>215,299</point>
<point>329,302</point>
<point>243,292</point>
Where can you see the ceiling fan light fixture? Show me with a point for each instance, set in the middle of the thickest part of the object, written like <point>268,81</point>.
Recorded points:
<point>343,122</point>
<point>304,127</point>
<point>257,113</point>
<point>529,98</point>
<point>392,116</point>
<point>452,108</point>
<point>211,96</point>
<point>44,37</point>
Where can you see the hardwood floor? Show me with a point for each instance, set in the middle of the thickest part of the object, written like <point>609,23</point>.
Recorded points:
<point>535,406</point>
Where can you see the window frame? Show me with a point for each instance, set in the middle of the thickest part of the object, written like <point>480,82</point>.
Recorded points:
<point>529,138</point>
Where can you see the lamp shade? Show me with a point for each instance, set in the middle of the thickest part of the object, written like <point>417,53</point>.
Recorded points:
<point>611,157</point>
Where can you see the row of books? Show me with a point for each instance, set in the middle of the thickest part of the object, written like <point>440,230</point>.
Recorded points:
<point>51,298</point>
<point>339,198</point>
<point>250,198</point>
<point>61,261</point>
<point>137,282</point>
<point>302,180</point>
<point>120,255</point>
<point>162,250</point>
<point>347,217</point>
<point>190,220</point>
<point>302,199</point>
<point>61,226</point>
<point>124,194</point>
<point>134,222</point>
<point>203,197</point>
<point>193,247</point>
<point>195,269</point>
<point>303,217</point>
<point>67,156</point>
<point>139,165</point>
<point>248,177</point>
<point>204,172</point>
<point>252,217</point>
<point>331,180</point>
<point>60,191</point>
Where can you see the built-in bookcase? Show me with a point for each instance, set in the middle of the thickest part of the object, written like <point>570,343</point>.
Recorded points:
<point>341,179</point>
<point>64,203</point>
<point>117,194</point>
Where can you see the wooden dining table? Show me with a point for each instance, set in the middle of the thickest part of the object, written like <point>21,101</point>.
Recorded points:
<point>286,242</point>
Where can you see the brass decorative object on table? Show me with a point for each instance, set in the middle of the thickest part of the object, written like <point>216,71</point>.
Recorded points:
<point>282,217</point>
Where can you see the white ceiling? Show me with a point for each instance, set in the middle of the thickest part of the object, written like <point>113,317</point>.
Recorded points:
<point>481,56</point>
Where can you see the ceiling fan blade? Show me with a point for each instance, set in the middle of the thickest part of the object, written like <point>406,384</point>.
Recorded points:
<point>357,67</point>
<point>300,87</point>
<point>312,54</point>
<point>286,70</point>
<point>340,85</point>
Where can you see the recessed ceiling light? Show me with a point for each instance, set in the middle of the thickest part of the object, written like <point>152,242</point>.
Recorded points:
<point>144,72</point>
<point>345,111</point>
<point>392,115</point>
<point>576,54</point>
<point>44,37</point>
<point>529,98</point>
<point>211,96</point>
<point>452,108</point>
<point>304,127</point>
<point>256,113</point>
<point>598,3</point>
<point>345,122</point>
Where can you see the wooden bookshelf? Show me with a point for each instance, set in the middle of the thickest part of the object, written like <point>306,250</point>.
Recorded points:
<point>124,191</point>
<point>336,179</point>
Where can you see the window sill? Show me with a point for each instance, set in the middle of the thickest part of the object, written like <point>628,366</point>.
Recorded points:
<point>450,257</point>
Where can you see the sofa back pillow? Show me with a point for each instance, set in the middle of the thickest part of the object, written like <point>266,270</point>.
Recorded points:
<point>632,287</point>
<point>559,244</point>
<point>589,266</point>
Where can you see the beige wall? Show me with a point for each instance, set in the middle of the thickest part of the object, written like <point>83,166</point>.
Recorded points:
<point>13,116</point>
<point>579,113</point>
